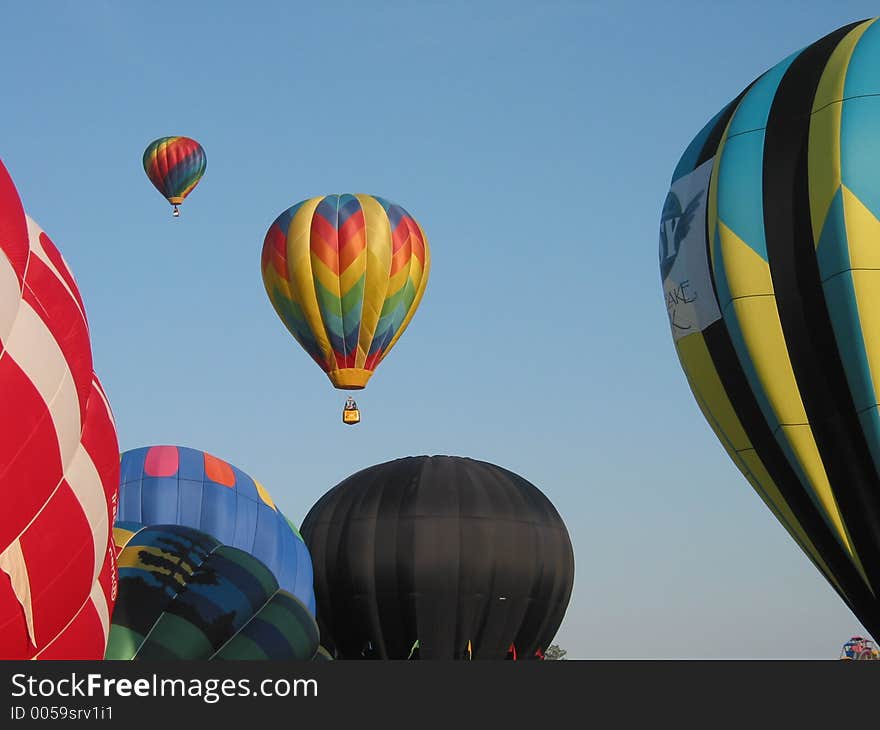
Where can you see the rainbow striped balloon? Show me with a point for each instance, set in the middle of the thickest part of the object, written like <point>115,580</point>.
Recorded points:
<point>346,273</point>
<point>175,165</point>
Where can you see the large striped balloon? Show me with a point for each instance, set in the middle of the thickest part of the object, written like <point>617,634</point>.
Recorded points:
<point>59,459</point>
<point>770,260</point>
<point>346,273</point>
<point>177,485</point>
<point>175,165</point>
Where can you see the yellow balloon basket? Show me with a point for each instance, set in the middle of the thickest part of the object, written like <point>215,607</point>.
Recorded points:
<point>351,416</point>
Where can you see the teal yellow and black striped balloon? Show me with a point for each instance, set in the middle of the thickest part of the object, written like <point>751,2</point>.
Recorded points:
<point>175,165</point>
<point>345,274</point>
<point>770,261</point>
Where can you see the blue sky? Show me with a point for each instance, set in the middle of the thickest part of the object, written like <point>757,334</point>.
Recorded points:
<point>534,142</point>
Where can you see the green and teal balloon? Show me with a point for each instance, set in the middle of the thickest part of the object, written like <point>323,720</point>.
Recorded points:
<point>185,595</point>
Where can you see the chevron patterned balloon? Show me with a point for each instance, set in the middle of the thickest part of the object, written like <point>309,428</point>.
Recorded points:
<point>346,273</point>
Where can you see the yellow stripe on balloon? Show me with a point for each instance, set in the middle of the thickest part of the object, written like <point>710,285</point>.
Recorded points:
<point>299,264</point>
<point>758,319</point>
<point>764,341</point>
<point>823,160</point>
<point>824,165</point>
<point>862,233</point>
<point>709,390</point>
<point>377,231</point>
<point>747,273</point>
<point>712,203</point>
<point>833,80</point>
<point>754,303</point>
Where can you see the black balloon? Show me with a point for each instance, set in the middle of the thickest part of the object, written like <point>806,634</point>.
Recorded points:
<point>461,556</point>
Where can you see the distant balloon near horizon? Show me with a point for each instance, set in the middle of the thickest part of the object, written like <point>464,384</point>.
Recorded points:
<point>462,556</point>
<point>59,458</point>
<point>346,273</point>
<point>184,595</point>
<point>858,648</point>
<point>177,485</point>
<point>175,165</point>
<point>770,266</point>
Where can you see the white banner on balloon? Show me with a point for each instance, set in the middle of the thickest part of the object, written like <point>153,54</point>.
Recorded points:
<point>684,266</point>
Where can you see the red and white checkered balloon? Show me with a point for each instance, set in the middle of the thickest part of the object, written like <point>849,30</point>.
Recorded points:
<point>59,455</point>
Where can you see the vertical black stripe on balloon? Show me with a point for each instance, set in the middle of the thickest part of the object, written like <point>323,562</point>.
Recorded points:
<point>768,451</point>
<point>710,146</point>
<point>710,149</point>
<point>803,311</point>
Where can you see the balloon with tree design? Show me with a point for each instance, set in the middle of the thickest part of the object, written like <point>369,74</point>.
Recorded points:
<point>185,595</point>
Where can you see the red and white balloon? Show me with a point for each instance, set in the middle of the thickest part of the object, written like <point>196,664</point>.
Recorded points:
<point>59,455</point>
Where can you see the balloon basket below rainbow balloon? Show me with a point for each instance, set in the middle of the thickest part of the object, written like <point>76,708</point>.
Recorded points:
<point>351,416</point>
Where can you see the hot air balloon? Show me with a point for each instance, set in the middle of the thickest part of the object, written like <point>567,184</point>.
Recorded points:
<point>185,595</point>
<point>182,486</point>
<point>59,462</point>
<point>858,648</point>
<point>454,557</point>
<point>175,165</point>
<point>771,273</point>
<point>345,273</point>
